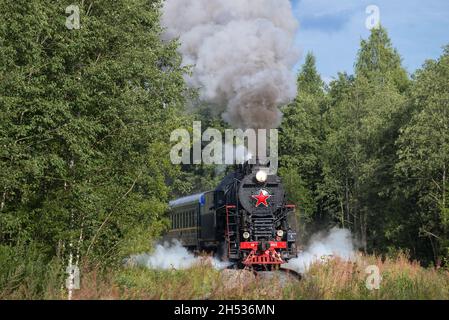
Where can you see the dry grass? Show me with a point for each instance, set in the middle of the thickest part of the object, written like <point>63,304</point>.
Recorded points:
<point>401,279</point>
<point>333,279</point>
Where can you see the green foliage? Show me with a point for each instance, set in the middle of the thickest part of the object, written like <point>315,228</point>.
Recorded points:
<point>298,193</point>
<point>85,117</point>
<point>359,152</point>
<point>423,153</point>
<point>370,151</point>
<point>301,138</point>
<point>379,62</point>
<point>26,273</point>
<point>140,238</point>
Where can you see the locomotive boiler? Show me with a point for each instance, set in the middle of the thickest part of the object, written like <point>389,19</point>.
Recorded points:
<point>246,220</point>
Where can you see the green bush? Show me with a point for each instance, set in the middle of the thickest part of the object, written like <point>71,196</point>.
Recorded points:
<point>27,273</point>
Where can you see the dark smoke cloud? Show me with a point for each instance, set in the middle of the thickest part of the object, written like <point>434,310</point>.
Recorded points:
<point>243,54</point>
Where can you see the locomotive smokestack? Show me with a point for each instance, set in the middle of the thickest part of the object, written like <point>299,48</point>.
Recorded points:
<point>242,53</point>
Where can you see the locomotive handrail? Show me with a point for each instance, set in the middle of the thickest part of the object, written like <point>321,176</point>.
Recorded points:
<point>227,227</point>
<point>284,212</point>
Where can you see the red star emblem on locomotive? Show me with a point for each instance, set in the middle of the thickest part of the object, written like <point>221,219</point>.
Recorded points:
<point>261,198</point>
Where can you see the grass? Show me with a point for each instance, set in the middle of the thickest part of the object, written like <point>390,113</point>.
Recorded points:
<point>26,273</point>
<point>334,279</point>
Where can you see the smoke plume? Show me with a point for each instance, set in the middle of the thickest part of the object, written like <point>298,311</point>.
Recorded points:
<point>172,256</point>
<point>321,247</point>
<point>242,53</point>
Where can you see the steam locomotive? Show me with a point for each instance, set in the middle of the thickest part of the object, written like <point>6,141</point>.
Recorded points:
<point>245,219</point>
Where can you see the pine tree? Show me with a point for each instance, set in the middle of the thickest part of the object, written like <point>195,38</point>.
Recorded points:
<point>379,62</point>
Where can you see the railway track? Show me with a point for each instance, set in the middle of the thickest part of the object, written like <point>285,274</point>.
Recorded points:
<point>281,274</point>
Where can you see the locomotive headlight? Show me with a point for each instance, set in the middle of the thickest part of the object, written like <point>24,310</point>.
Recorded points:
<point>246,234</point>
<point>280,233</point>
<point>261,176</point>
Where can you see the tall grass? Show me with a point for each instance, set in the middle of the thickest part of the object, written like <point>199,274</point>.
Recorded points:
<point>27,273</point>
<point>333,279</point>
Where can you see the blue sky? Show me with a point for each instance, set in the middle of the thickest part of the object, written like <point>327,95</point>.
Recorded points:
<point>332,30</point>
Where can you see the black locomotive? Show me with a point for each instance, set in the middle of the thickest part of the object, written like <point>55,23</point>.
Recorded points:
<point>245,219</point>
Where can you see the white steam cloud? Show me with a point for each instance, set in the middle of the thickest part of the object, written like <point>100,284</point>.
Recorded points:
<point>242,53</point>
<point>336,243</point>
<point>172,256</point>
